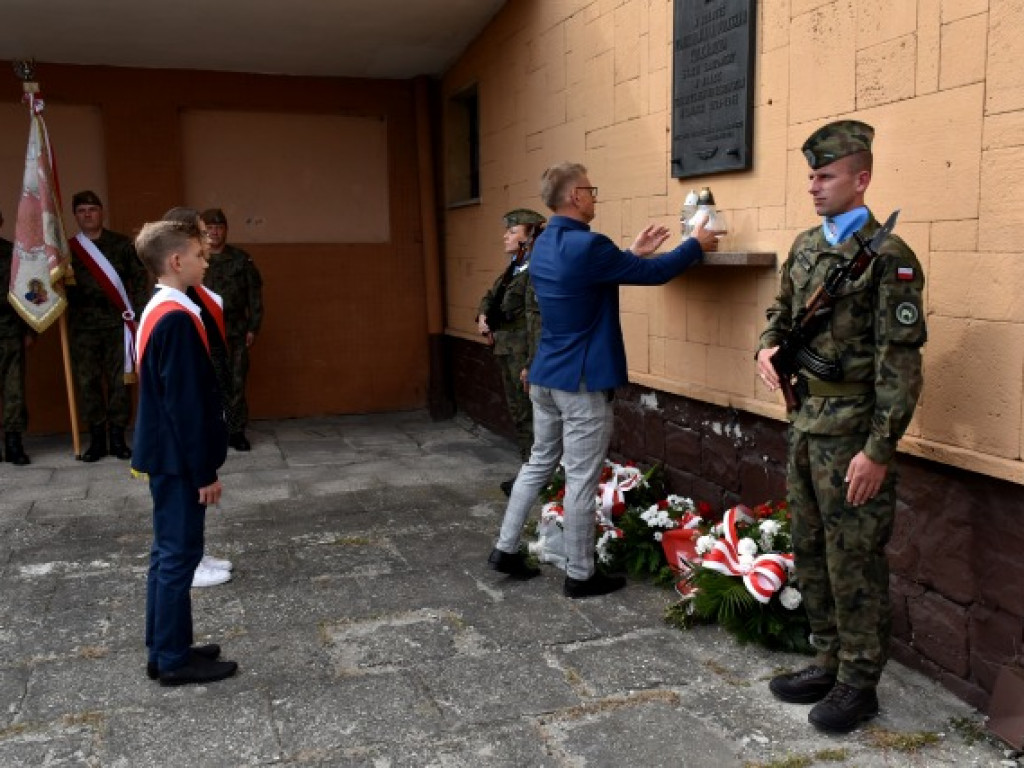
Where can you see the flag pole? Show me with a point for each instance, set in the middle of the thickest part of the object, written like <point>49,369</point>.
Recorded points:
<point>65,350</point>
<point>53,244</point>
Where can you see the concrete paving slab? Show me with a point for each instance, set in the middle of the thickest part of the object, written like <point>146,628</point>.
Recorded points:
<point>371,633</point>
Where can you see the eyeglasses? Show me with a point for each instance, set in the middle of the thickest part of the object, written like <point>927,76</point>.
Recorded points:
<point>592,190</point>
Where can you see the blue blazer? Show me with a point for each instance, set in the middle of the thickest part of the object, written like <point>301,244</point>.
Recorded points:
<point>576,275</point>
<point>180,428</point>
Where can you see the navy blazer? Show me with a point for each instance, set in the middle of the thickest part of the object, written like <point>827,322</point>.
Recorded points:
<point>180,428</point>
<point>576,275</point>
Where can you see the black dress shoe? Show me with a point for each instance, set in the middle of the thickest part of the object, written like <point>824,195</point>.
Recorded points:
<point>598,584</point>
<point>199,670</point>
<point>238,441</point>
<point>211,651</point>
<point>514,565</point>
<point>805,686</point>
<point>844,708</point>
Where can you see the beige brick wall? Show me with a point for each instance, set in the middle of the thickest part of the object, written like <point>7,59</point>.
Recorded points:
<point>941,81</point>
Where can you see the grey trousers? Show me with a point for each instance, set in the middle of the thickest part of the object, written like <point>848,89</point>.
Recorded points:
<point>575,427</point>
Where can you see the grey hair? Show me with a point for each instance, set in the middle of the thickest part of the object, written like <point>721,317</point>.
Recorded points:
<point>555,181</point>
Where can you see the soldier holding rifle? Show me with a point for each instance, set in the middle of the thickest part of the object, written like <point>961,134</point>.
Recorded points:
<point>843,341</point>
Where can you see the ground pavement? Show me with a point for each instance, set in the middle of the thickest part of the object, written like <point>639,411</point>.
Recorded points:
<point>369,631</point>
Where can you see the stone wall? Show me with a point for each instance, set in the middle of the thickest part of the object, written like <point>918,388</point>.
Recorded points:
<point>955,553</point>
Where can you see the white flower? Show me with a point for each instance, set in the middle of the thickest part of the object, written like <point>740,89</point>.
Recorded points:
<point>770,527</point>
<point>790,598</point>
<point>657,536</point>
<point>704,544</point>
<point>747,547</point>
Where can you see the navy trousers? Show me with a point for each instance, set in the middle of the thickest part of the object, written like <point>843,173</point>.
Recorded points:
<point>178,520</point>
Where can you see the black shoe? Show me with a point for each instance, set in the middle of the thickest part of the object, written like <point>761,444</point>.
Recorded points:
<point>506,486</point>
<point>97,444</point>
<point>238,441</point>
<point>211,651</point>
<point>199,670</point>
<point>514,565</point>
<point>118,446</point>
<point>15,453</point>
<point>844,708</point>
<point>806,686</point>
<point>598,584</point>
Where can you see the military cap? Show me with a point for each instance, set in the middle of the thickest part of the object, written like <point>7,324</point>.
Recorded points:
<point>214,216</point>
<point>836,140</point>
<point>522,216</point>
<point>85,197</point>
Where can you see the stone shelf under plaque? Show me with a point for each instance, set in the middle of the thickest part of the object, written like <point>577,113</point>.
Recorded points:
<point>739,259</point>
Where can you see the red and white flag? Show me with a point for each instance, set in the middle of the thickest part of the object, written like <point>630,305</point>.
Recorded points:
<point>41,255</point>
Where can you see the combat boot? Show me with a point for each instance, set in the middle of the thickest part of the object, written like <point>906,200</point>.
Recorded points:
<point>844,709</point>
<point>118,447</point>
<point>97,444</point>
<point>15,453</point>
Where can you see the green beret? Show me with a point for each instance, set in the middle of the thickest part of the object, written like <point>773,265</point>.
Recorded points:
<point>836,140</point>
<point>86,197</point>
<point>213,216</point>
<point>522,216</point>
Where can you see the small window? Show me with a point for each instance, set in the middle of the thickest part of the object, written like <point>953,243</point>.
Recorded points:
<point>463,166</point>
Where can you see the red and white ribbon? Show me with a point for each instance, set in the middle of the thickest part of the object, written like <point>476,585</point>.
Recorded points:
<point>763,576</point>
<point>612,492</point>
<point>103,271</point>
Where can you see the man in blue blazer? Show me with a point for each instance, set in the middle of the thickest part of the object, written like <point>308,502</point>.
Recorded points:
<point>580,360</point>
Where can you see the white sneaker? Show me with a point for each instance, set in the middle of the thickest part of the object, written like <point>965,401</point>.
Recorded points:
<point>216,563</point>
<point>209,577</point>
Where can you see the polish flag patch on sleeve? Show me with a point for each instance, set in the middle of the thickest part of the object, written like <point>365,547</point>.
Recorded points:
<point>904,273</point>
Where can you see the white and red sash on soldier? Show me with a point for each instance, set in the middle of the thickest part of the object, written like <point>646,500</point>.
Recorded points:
<point>214,304</point>
<point>106,276</point>
<point>165,301</point>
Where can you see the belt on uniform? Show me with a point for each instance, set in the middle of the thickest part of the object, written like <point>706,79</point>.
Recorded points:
<point>819,388</point>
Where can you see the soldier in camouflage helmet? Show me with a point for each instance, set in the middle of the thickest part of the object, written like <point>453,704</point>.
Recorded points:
<point>842,439</point>
<point>234,276</point>
<point>15,335</point>
<point>97,328</point>
<point>502,320</point>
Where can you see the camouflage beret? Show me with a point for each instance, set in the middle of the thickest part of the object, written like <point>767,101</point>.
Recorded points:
<point>85,197</point>
<point>522,216</point>
<point>836,140</point>
<point>214,216</point>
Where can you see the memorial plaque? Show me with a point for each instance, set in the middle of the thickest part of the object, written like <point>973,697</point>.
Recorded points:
<point>712,86</point>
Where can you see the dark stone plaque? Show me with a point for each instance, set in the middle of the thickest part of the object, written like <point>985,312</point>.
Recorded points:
<point>712,86</point>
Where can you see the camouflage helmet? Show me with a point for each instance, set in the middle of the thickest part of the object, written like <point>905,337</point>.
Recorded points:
<point>522,216</point>
<point>836,140</point>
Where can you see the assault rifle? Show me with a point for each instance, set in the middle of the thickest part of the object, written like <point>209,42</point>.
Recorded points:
<point>794,353</point>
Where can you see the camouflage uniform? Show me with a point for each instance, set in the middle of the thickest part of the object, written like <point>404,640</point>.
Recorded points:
<point>97,332</point>
<point>12,351</point>
<point>876,333</point>
<point>234,276</point>
<point>512,350</point>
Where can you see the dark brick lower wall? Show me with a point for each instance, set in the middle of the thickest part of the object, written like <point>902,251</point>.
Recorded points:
<point>957,550</point>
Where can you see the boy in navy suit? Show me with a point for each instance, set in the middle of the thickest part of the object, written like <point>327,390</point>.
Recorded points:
<point>180,442</point>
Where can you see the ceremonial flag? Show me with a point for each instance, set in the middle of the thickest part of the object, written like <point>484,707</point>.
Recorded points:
<point>41,255</point>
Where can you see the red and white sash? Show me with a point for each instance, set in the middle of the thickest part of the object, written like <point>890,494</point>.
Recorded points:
<point>103,272</point>
<point>165,301</point>
<point>214,304</point>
